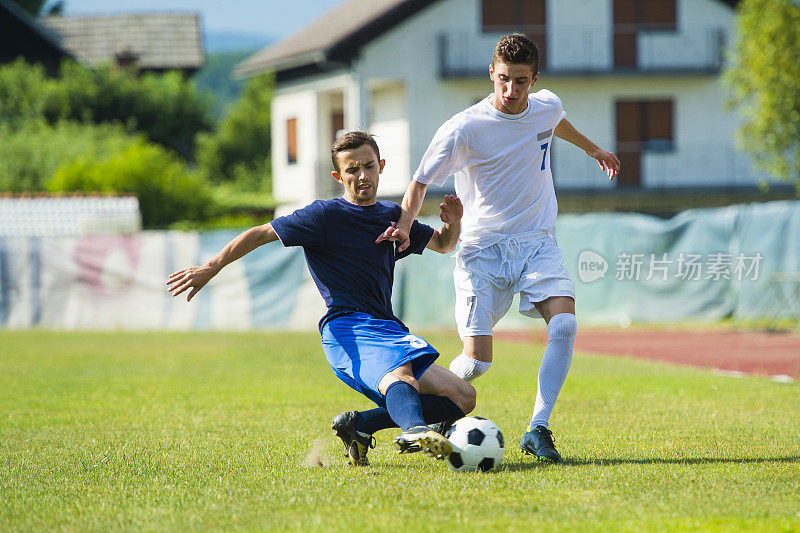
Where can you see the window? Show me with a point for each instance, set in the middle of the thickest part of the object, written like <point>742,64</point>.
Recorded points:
<point>337,123</point>
<point>508,15</point>
<point>291,141</point>
<point>526,16</point>
<point>642,126</point>
<point>646,14</point>
<point>657,15</point>
<point>634,16</point>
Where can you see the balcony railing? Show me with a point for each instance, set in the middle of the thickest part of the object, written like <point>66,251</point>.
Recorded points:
<point>700,165</point>
<point>575,50</point>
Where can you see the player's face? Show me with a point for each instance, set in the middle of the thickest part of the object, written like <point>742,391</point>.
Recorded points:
<point>359,170</point>
<point>512,83</point>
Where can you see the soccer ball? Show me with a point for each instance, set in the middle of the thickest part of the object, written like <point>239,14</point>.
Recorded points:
<point>477,445</point>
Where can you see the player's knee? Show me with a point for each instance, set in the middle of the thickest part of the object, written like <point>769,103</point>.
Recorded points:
<point>468,368</point>
<point>562,326</point>
<point>411,380</point>
<point>467,398</point>
<point>393,377</point>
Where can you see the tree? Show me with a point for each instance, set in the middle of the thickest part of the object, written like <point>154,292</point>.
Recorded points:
<point>239,151</point>
<point>167,191</point>
<point>764,79</point>
<point>166,107</point>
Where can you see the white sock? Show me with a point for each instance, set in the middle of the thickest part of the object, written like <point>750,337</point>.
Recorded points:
<point>468,368</point>
<point>555,365</point>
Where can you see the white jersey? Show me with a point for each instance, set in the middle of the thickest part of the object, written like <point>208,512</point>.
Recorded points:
<point>501,164</point>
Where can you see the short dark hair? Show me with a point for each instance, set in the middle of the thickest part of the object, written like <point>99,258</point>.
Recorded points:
<point>350,141</point>
<point>518,49</point>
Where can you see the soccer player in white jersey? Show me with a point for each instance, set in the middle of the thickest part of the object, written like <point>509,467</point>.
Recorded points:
<point>499,152</point>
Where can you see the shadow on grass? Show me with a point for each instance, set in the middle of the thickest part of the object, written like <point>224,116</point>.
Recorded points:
<point>531,464</point>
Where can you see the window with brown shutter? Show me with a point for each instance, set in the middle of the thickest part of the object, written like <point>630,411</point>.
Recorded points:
<point>337,123</point>
<point>642,126</point>
<point>634,16</point>
<point>291,140</point>
<point>526,16</point>
<point>498,15</point>
<point>658,15</point>
<point>657,115</point>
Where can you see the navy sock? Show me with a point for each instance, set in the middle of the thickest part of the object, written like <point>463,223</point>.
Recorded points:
<point>402,402</point>
<point>434,409</point>
<point>374,420</point>
<point>439,409</point>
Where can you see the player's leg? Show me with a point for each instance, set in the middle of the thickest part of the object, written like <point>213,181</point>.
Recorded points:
<point>405,408</point>
<point>559,313</point>
<point>547,291</point>
<point>475,357</point>
<point>482,298</point>
<point>362,351</point>
<point>445,398</point>
<point>380,359</point>
<point>403,402</point>
<point>440,382</point>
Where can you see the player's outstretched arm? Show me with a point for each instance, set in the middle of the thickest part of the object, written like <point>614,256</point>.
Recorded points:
<point>412,202</point>
<point>196,277</point>
<point>608,161</point>
<point>444,239</point>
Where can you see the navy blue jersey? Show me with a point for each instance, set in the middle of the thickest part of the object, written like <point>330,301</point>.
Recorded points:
<point>351,271</point>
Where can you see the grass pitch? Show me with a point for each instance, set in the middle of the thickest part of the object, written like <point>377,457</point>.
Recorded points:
<point>155,431</point>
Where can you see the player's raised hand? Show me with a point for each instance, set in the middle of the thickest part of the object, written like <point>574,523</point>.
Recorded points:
<point>608,162</point>
<point>397,234</point>
<point>192,277</point>
<point>451,209</point>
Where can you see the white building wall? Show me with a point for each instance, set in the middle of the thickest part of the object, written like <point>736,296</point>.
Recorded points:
<point>410,53</point>
<point>296,185</point>
<point>294,182</point>
<point>389,123</point>
<point>580,33</point>
<point>704,133</point>
<point>395,90</point>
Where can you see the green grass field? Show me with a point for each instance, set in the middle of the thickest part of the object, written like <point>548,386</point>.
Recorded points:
<point>154,431</point>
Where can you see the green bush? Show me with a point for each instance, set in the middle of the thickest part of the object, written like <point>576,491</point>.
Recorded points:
<point>239,151</point>
<point>31,153</point>
<point>166,107</point>
<point>23,93</point>
<point>167,192</point>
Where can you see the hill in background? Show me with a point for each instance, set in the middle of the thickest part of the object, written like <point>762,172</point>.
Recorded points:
<point>223,52</point>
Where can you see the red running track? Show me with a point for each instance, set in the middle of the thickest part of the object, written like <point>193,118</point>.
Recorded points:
<point>770,354</point>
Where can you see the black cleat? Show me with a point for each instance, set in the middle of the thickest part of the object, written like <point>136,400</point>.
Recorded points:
<point>539,442</point>
<point>423,438</point>
<point>442,427</point>
<point>355,446</point>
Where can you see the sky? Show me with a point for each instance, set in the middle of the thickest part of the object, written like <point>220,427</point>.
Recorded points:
<point>270,19</point>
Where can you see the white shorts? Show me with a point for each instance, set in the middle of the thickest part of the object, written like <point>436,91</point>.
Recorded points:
<point>486,281</point>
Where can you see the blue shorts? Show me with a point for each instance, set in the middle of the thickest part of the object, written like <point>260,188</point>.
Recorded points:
<point>362,349</point>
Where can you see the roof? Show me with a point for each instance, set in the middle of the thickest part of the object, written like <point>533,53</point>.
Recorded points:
<point>335,36</point>
<point>160,40</point>
<point>22,35</point>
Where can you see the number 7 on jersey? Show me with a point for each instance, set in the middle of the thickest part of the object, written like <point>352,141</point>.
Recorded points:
<point>544,154</point>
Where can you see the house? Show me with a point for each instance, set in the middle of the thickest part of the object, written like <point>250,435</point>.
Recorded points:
<point>639,77</point>
<point>22,36</point>
<point>154,42</point>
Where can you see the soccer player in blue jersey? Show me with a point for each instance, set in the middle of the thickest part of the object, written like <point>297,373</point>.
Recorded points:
<point>368,347</point>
